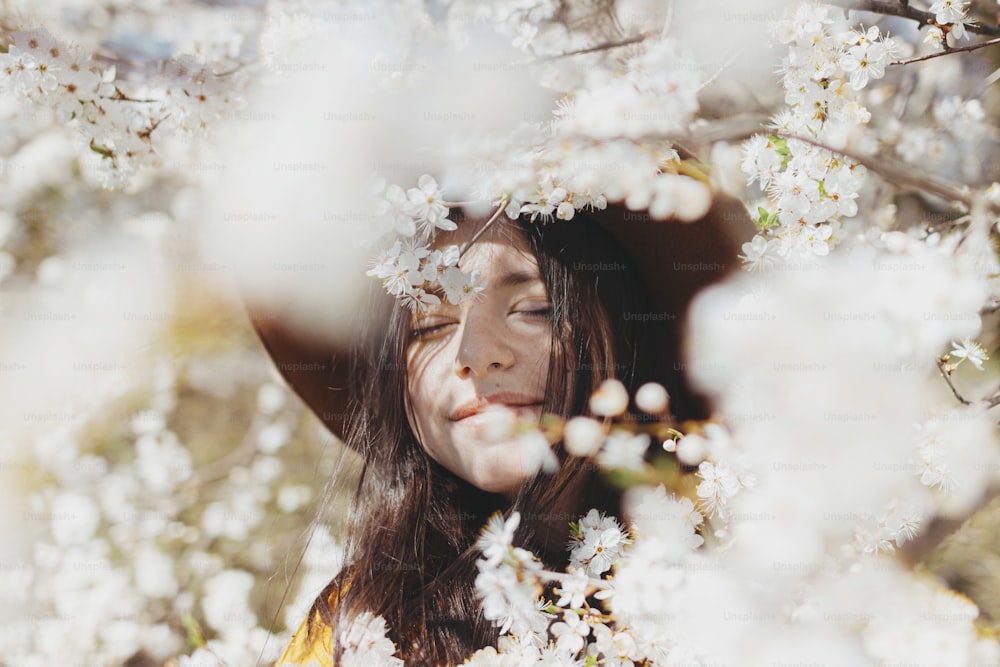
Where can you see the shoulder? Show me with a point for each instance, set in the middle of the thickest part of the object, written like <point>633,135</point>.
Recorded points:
<point>312,643</point>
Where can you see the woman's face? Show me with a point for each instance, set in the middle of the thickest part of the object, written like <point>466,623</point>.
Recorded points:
<point>461,359</point>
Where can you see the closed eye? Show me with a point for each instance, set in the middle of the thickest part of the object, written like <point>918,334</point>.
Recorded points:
<point>429,329</point>
<point>535,308</point>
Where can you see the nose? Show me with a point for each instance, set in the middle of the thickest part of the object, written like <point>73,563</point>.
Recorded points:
<point>483,346</point>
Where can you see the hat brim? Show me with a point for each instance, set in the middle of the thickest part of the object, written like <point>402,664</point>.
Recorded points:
<point>675,259</point>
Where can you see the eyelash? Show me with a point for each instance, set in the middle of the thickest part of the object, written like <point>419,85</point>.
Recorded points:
<point>537,312</point>
<point>426,331</point>
<point>423,332</point>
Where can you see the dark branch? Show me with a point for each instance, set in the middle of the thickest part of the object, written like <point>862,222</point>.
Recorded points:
<point>906,11</point>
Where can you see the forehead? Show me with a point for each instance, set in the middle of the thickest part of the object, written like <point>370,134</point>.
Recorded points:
<point>501,249</point>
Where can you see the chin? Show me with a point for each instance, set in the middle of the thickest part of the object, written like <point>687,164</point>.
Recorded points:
<point>499,487</point>
<point>498,477</point>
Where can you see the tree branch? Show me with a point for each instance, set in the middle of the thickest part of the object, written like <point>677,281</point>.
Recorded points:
<point>948,52</point>
<point>904,10</point>
<point>489,223</point>
<point>901,174</point>
<point>635,39</point>
<point>993,400</point>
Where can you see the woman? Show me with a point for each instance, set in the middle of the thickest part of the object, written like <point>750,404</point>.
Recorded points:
<point>565,308</point>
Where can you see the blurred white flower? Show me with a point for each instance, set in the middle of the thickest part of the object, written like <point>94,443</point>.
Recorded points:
<point>273,437</point>
<point>291,498</point>
<point>652,398</point>
<point>74,518</point>
<point>610,399</point>
<point>162,461</point>
<point>226,601</point>
<point>271,398</point>
<point>154,573</point>
<point>583,436</point>
<point>624,451</point>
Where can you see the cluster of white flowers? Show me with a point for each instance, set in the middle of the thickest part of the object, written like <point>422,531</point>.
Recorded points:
<point>595,543</point>
<point>609,140</point>
<point>777,524</point>
<point>119,130</point>
<point>409,269</point>
<point>951,140</point>
<point>810,189</point>
<point>128,546</point>
<point>950,16</point>
<point>578,624</point>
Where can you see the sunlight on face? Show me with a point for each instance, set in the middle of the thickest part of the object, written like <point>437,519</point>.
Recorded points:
<point>462,359</point>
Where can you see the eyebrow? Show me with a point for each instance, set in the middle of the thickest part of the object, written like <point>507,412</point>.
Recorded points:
<point>516,278</point>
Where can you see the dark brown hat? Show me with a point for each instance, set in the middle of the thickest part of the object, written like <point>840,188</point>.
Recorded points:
<point>675,259</point>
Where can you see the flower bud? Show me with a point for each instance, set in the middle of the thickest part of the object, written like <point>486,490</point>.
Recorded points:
<point>583,436</point>
<point>652,398</point>
<point>610,399</point>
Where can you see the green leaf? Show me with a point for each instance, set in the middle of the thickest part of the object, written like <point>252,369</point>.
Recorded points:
<point>780,145</point>
<point>766,219</point>
<point>195,637</point>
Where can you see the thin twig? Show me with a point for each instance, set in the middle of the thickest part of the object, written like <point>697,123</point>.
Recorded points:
<point>957,49</point>
<point>635,39</point>
<point>906,11</point>
<point>489,223</point>
<point>122,97</point>
<point>951,385</point>
<point>719,71</point>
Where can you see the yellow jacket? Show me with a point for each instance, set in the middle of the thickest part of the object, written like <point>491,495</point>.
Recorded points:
<point>307,649</point>
<point>312,648</point>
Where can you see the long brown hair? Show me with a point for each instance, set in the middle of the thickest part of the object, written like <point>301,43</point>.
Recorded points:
<point>411,530</point>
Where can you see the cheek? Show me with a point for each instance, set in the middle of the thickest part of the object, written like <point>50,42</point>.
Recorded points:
<point>538,355</point>
<point>424,373</point>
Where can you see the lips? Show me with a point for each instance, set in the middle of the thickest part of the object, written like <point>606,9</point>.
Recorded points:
<point>506,399</point>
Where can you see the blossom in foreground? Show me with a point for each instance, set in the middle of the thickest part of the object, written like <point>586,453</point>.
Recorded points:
<point>365,643</point>
<point>497,537</point>
<point>597,543</point>
<point>427,204</point>
<point>949,11</point>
